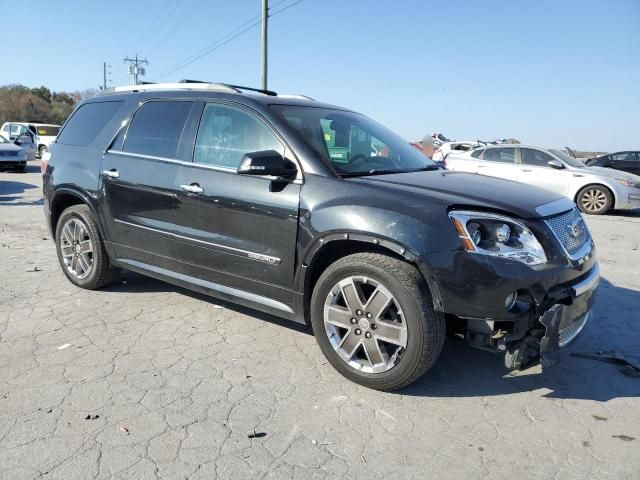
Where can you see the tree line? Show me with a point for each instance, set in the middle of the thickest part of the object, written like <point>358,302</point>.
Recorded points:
<point>23,104</point>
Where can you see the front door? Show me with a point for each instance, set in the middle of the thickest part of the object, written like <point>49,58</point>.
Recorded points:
<point>237,231</point>
<point>500,163</point>
<point>534,170</point>
<point>139,177</point>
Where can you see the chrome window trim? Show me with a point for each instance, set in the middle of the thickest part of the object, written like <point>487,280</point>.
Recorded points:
<point>245,253</point>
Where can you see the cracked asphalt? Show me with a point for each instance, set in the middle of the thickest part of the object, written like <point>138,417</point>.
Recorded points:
<point>144,380</point>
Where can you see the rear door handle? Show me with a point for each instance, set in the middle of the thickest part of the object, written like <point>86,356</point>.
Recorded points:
<point>193,188</point>
<point>525,170</point>
<point>113,173</point>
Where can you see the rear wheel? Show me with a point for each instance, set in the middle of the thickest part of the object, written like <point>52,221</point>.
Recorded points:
<point>594,200</point>
<point>81,251</point>
<point>373,318</point>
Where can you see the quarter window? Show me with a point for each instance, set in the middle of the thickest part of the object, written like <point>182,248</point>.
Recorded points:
<point>534,157</point>
<point>87,122</point>
<point>156,128</point>
<point>504,155</point>
<point>227,133</point>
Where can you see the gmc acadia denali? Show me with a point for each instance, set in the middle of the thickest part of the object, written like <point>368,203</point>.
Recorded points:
<point>318,214</point>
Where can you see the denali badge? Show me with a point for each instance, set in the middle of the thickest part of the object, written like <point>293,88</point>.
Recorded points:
<point>576,228</point>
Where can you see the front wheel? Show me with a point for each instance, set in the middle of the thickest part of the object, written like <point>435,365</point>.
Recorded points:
<point>373,318</point>
<point>594,200</point>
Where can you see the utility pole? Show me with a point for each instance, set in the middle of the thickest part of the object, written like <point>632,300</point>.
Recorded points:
<point>104,76</point>
<point>265,16</point>
<point>135,67</point>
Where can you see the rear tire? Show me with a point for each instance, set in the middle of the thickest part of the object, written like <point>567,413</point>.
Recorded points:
<point>81,251</point>
<point>405,308</point>
<point>594,200</point>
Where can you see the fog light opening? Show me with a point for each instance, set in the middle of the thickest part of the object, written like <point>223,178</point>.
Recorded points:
<point>511,300</point>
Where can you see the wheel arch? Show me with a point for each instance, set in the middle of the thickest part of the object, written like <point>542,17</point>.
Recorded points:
<point>609,188</point>
<point>332,247</point>
<point>64,198</point>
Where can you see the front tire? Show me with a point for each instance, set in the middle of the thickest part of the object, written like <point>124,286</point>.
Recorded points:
<point>373,318</point>
<point>594,200</point>
<point>81,251</point>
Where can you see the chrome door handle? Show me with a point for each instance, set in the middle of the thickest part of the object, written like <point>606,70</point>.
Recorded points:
<point>193,188</point>
<point>481,166</point>
<point>525,170</point>
<point>111,173</point>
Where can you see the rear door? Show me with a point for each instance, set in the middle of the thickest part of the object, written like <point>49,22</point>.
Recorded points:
<point>139,180</point>
<point>234,230</point>
<point>499,162</point>
<point>534,170</point>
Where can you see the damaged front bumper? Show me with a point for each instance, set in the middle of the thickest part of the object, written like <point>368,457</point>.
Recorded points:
<point>565,324</point>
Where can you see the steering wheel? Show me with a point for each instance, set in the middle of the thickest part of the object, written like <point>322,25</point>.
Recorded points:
<point>358,159</point>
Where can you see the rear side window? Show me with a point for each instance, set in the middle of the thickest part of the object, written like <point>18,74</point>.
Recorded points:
<point>85,124</point>
<point>504,155</point>
<point>477,153</point>
<point>156,128</point>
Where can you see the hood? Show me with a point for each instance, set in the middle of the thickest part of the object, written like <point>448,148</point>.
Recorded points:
<point>473,190</point>
<point>610,173</point>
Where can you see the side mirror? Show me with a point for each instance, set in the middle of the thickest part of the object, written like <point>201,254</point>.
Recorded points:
<point>555,164</point>
<point>267,162</point>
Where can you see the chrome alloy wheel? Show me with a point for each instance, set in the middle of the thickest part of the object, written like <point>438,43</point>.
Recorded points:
<point>365,324</point>
<point>76,248</point>
<point>594,200</point>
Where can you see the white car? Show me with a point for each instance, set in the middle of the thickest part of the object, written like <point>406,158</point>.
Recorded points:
<point>595,190</point>
<point>43,133</point>
<point>12,156</point>
<point>453,147</point>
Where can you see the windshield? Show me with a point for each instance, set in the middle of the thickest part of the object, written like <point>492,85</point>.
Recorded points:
<point>565,157</point>
<point>45,130</point>
<point>352,143</point>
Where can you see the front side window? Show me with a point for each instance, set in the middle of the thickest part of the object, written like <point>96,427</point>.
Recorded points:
<point>156,128</point>
<point>87,121</point>
<point>504,155</point>
<point>535,157</point>
<point>623,157</point>
<point>227,133</point>
<point>352,143</point>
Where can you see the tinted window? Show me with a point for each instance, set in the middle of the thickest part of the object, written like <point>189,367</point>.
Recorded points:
<point>534,157</point>
<point>227,133</point>
<point>506,155</point>
<point>477,153</point>
<point>624,156</point>
<point>156,129</point>
<point>87,122</point>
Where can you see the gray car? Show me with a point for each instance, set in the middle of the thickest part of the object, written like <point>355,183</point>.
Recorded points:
<point>12,156</point>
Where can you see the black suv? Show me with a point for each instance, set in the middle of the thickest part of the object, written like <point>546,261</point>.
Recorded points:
<point>318,214</point>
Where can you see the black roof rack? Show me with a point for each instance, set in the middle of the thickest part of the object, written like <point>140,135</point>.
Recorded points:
<point>237,87</point>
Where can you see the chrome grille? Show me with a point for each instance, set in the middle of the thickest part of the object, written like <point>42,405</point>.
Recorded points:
<point>572,241</point>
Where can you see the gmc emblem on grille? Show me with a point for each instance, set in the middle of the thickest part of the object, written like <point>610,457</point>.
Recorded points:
<point>576,228</point>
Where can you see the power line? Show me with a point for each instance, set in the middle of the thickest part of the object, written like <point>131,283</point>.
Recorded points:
<point>220,42</point>
<point>150,29</point>
<point>163,23</point>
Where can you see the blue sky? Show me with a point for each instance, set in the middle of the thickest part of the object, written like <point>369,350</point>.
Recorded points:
<point>551,73</point>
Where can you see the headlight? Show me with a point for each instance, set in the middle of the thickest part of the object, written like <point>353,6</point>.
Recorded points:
<point>627,183</point>
<point>498,236</point>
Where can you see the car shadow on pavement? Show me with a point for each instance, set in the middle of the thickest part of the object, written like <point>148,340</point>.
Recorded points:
<point>462,371</point>
<point>13,188</point>
<point>131,282</point>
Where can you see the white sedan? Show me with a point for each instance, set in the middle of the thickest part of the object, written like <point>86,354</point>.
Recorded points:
<point>595,190</point>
